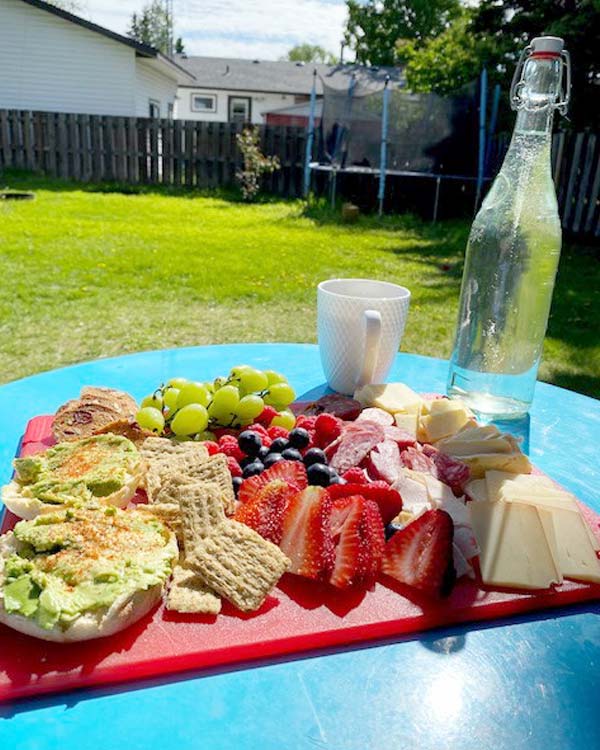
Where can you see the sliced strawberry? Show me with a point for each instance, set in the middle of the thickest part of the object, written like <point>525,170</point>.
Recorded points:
<point>306,537</point>
<point>359,535</point>
<point>387,500</point>
<point>264,512</point>
<point>420,554</point>
<point>292,472</point>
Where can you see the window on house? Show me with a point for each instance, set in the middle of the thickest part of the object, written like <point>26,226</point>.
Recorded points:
<point>153,108</point>
<point>204,103</point>
<point>240,109</point>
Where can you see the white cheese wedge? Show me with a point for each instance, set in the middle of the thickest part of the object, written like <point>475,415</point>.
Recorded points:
<point>407,422</point>
<point>443,405</point>
<point>498,481</point>
<point>392,397</point>
<point>514,551</point>
<point>476,489</point>
<point>574,554</point>
<point>439,493</point>
<point>415,497</point>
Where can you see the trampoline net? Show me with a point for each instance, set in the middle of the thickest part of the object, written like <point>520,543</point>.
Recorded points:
<point>426,132</point>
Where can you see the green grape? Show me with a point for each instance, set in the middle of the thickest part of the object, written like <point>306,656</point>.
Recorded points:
<point>284,419</point>
<point>253,380</point>
<point>209,385</point>
<point>236,371</point>
<point>154,400</point>
<point>270,401</point>
<point>177,382</point>
<point>150,419</point>
<point>206,435</point>
<point>282,393</point>
<point>224,403</point>
<point>189,420</point>
<point>275,377</point>
<point>249,408</point>
<point>192,393</point>
<point>219,383</point>
<point>170,398</point>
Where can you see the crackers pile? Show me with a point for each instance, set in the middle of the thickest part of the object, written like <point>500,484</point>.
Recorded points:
<point>192,493</point>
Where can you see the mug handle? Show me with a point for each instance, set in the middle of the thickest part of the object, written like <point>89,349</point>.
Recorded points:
<point>371,350</point>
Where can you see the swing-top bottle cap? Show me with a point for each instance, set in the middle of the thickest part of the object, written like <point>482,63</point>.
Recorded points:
<point>552,45</point>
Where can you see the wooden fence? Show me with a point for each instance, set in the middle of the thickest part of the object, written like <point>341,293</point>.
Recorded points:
<point>95,148</point>
<point>576,171</point>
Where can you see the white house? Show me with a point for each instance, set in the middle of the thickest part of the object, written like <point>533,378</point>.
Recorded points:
<point>51,60</point>
<point>233,90</point>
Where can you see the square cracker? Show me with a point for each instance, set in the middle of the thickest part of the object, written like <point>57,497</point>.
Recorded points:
<point>183,464</point>
<point>239,564</point>
<point>201,512</point>
<point>216,471</point>
<point>188,593</point>
<point>153,448</point>
<point>169,514</point>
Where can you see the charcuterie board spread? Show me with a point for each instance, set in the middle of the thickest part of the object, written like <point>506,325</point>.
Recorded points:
<point>220,522</point>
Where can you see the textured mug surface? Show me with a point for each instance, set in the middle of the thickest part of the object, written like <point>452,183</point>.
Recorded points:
<point>341,328</point>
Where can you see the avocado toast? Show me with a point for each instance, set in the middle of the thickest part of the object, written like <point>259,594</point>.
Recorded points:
<point>106,468</point>
<point>83,573</point>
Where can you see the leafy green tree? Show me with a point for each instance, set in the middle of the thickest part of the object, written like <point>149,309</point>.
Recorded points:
<point>152,26</point>
<point>374,28</point>
<point>310,53</point>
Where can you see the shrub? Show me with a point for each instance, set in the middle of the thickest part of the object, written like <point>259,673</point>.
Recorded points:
<point>255,163</point>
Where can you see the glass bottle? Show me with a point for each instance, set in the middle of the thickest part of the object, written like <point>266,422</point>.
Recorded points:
<point>513,251</point>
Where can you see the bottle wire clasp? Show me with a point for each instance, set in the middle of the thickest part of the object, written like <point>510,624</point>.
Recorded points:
<point>564,86</point>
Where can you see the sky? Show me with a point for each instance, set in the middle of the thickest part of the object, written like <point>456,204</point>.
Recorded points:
<point>264,29</point>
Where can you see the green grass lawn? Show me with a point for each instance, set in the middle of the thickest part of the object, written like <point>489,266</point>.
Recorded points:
<point>92,274</point>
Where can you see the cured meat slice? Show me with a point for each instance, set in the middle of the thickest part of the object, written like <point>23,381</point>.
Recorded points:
<point>373,414</point>
<point>384,462</point>
<point>353,445</point>
<point>450,470</point>
<point>403,438</point>
<point>414,458</point>
<point>340,406</point>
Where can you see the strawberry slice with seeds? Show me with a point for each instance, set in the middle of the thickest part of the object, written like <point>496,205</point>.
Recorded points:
<point>306,537</point>
<point>420,555</point>
<point>292,472</point>
<point>359,536</point>
<point>264,512</point>
<point>387,500</point>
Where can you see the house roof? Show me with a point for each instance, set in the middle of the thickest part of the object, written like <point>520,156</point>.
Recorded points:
<point>141,50</point>
<point>281,77</point>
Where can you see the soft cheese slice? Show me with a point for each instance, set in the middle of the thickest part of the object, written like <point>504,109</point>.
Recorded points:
<point>443,424</point>
<point>497,481</point>
<point>407,422</point>
<point>575,556</point>
<point>514,551</point>
<point>415,497</point>
<point>476,489</point>
<point>392,397</point>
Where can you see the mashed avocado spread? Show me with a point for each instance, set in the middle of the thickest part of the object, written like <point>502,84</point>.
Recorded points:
<point>80,560</point>
<point>75,472</point>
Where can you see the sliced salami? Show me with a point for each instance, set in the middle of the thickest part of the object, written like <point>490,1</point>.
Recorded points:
<point>450,470</point>
<point>354,444</point>
<point>414,458</point>
<point>373,414</point>
<point>340,406</point>
<point>384,462</point>
<point>401,437</point>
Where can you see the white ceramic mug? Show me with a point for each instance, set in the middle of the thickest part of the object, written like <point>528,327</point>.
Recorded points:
<point>360,323</point>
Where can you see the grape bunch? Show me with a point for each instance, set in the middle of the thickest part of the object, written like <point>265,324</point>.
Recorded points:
<point>190,409</point>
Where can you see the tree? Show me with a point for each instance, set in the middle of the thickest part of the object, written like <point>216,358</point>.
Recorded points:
<point>374,28</point>
<point>152,26</point>
<point>71,6</point>
<point>179,46</point>
<point>310,53</point>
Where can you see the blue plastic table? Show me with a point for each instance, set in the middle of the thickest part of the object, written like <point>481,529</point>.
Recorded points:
<point>532,682</point>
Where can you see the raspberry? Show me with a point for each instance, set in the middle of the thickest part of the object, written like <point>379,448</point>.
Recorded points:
<point>327,428</point>
<point>228,445</point>
<point>277,432</point>
<point>234,467</point>
<point>262,431</point>
<point>355,476</point>
<point>211,447</point>
<point>302,420</point>
<point>266,415</point>
<point>219,432</point>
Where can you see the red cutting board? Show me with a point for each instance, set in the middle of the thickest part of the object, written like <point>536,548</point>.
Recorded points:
<point>299,616</point>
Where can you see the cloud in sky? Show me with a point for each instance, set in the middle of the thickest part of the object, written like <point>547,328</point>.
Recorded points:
<point>264,29</point>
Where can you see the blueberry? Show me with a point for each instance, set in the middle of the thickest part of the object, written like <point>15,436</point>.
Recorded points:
<point>253,468</point>
<point>390,530</point>
<point>247,461</point>
<point>278,445</point>
<point>271,459</point>
<point>318,474</point>
<point>236,481</point>
<point>299,438</point>
<point>263,453</point>
<point>249,442</point>
<point>291,454</point>
<point>314,456</point>
<point>335,478</point>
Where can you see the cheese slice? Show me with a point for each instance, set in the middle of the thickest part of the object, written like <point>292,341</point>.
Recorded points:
<point>407,422</point>
<point>392,397</point>
<point>443,405</point>
<point>496,481</point>
<point>476,489</point>
<point>443,424</point>
<point>514,551</point>
<point>572,548</point>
